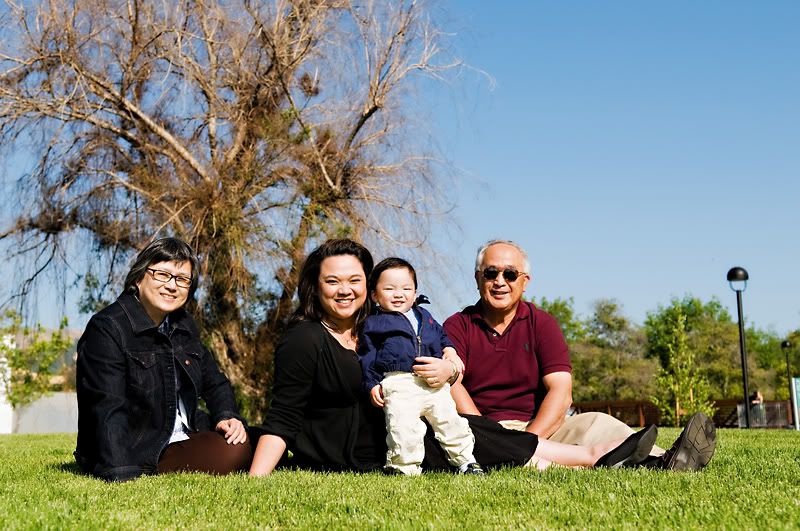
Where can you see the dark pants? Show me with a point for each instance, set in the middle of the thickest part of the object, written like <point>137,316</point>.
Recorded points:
<point>207,452</point>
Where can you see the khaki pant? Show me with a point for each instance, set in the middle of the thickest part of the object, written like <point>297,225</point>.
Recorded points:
<point>585,429</point>
<point>407,398</point>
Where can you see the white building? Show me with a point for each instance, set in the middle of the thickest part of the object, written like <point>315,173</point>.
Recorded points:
<point>6,411</point>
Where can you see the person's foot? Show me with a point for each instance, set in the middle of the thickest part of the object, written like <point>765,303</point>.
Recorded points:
<point>694,447</point>
<point>633,450</point>
<point>473,469</point>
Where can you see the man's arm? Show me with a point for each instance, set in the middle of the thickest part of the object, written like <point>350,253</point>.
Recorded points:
<point>554,406</point>
<point>464,403</point>
<point>455,332</point>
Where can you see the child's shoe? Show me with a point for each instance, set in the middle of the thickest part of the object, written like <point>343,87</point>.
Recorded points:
<point>473,469</point>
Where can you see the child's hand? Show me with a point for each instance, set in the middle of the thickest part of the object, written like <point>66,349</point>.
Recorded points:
<point>449,354</point>
<point>376,396</point>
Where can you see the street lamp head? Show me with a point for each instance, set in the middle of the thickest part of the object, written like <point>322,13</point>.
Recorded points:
<point>737,278</point>
<point>786,344</point>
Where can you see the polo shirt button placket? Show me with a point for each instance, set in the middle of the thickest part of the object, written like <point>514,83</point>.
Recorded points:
<point>495,339</point>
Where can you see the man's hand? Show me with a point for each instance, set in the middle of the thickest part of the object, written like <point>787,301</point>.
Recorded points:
<point>233,430</point>
<point>450,354</point>
<point>376,396</point>
<point>434,371</point>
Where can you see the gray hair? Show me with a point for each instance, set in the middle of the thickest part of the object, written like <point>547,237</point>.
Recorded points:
<point>526,264</point>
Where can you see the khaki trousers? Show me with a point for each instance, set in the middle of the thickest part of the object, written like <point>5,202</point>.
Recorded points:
<point>585,429</point>
<point>406,399</point>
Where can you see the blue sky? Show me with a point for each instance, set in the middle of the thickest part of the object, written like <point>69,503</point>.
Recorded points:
<point>637,150</point>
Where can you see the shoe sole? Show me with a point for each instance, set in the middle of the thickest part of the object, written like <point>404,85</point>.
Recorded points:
<point>696,445</point>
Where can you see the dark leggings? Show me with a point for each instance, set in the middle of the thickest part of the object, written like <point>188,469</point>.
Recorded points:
<point>205,451</point>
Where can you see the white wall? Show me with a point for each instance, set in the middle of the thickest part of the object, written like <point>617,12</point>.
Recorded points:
<point>6,411</point>
<point>54,413</point>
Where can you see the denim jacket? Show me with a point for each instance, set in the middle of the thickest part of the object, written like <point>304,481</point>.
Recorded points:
<point>388,343</point>
<point>126,374</point>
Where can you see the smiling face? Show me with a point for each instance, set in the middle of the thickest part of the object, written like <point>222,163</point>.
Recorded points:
<point>395,290</point>
<point>342,288</point>
<point>500,295</point>
<point>162,298</point>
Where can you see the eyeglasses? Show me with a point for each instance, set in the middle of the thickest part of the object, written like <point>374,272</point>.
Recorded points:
<point>166,276</point>
<point>490,273</point>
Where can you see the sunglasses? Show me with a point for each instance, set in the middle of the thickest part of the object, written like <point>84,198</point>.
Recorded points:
<point>490,273</point>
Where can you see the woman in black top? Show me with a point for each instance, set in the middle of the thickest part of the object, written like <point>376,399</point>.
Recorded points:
<point>318,411</point>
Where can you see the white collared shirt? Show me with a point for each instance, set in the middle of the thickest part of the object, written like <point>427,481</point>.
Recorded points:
<point>411,316</point>
<point>181,418</point>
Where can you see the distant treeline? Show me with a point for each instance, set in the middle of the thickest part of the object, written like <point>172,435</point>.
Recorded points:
<point>615,359</point>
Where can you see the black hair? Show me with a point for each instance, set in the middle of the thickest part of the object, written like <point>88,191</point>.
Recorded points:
<point>390,263</point>
<point>161,250</point>
<point>310,308</point>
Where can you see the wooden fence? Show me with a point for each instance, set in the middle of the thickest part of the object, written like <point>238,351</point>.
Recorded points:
<point>770,414</point>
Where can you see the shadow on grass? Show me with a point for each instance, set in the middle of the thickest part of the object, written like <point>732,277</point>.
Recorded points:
<point>70,467</point>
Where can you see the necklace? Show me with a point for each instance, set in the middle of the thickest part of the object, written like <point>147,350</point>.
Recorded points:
<point>347,341</point>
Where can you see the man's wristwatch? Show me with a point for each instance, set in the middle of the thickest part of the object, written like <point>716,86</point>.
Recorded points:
<point>454,376</point>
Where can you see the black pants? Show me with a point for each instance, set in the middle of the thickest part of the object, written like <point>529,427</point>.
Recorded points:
<point>205,451</point>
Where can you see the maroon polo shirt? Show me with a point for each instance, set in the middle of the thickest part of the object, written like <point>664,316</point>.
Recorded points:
<point>503,373</point>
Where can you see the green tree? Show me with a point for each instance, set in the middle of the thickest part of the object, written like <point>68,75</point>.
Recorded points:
<point>609,363</point>
<point>681,388</point>
<point>607,326</point>
<point>714,338</point>
<point>29,358</point>
<point>769,375</point>
<point>573,328</point>
<point>793,369</point>
<point>607,351</point>
<point>711,335</point>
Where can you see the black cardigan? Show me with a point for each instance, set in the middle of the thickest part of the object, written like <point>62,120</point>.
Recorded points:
<point>319,410</point>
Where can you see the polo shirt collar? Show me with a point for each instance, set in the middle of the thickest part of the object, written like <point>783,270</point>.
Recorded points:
<point>523,312</point>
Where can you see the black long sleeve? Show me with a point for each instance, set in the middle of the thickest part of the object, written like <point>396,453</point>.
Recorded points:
<point>296,361</point>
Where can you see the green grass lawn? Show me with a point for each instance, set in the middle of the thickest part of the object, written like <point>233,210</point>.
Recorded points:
<point>753,482</point>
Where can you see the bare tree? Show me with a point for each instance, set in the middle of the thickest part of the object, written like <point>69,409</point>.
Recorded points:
<point>251,129</point>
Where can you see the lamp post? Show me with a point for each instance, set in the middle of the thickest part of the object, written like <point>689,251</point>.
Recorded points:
<point>786,345</point>
<point>737,279</point>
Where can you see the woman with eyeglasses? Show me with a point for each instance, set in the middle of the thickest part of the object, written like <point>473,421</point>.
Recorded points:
<point>141,373</point>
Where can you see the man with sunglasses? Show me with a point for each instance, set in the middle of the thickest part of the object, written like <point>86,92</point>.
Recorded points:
<point>517,362</point>
<point>518,370</point>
